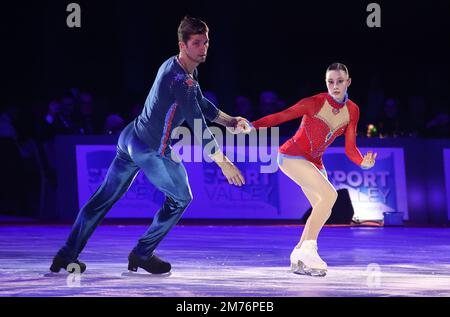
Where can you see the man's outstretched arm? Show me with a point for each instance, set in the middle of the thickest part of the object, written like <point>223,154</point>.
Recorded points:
<point>226,120</point>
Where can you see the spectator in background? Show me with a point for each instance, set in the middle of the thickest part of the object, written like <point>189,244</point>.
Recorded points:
<point>268,103</point>
<point>244,107</point>
<point>87,116</point>
<point>439,126</point>
<point>114,124</point>
<point>389,123</point>
<point>7,117</point>
<point>59,118</point>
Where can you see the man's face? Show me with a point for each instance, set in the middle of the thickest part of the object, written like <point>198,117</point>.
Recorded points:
<point>337,83</point>
<point>196,48</point>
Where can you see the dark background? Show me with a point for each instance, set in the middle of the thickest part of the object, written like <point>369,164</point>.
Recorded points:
<point>284,46</point>
<point>400,73</point>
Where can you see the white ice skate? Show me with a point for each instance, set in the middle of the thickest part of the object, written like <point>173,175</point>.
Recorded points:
<point>305,260</point>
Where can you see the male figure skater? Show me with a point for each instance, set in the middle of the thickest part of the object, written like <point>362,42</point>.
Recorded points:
<point>145,144</point>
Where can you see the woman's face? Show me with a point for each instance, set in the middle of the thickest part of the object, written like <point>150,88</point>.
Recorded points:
<point>337,83</point>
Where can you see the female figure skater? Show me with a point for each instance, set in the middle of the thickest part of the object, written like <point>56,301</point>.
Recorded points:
<point>325,117</point>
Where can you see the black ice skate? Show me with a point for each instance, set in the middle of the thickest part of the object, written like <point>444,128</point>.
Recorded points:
<point>61,263</point>
<point>153,265</point>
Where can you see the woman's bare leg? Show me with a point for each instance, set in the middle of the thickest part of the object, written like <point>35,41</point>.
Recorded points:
<point>319,191</point>
<point>313,199</point>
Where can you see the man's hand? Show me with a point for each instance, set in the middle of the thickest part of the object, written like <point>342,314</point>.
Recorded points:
<point>242,126</point>
<point>233,124</point>
<point>245,125</point>
<point>231,172</point>
<point>368,160</point>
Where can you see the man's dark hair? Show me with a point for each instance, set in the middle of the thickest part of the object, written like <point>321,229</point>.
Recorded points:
<point>190,26</point>
<point>338,66</point>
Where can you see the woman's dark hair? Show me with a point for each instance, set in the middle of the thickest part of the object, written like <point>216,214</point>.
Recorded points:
<point>338,66</point>
<point>190,26</point>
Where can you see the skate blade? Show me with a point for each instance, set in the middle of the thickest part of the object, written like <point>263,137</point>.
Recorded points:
<point>301,269</point>
<point>145,275</point>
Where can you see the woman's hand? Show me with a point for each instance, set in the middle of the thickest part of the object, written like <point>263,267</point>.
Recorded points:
<point>369,160</point>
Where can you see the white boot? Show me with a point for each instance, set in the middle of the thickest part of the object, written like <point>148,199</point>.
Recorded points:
<point>306,260</point>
